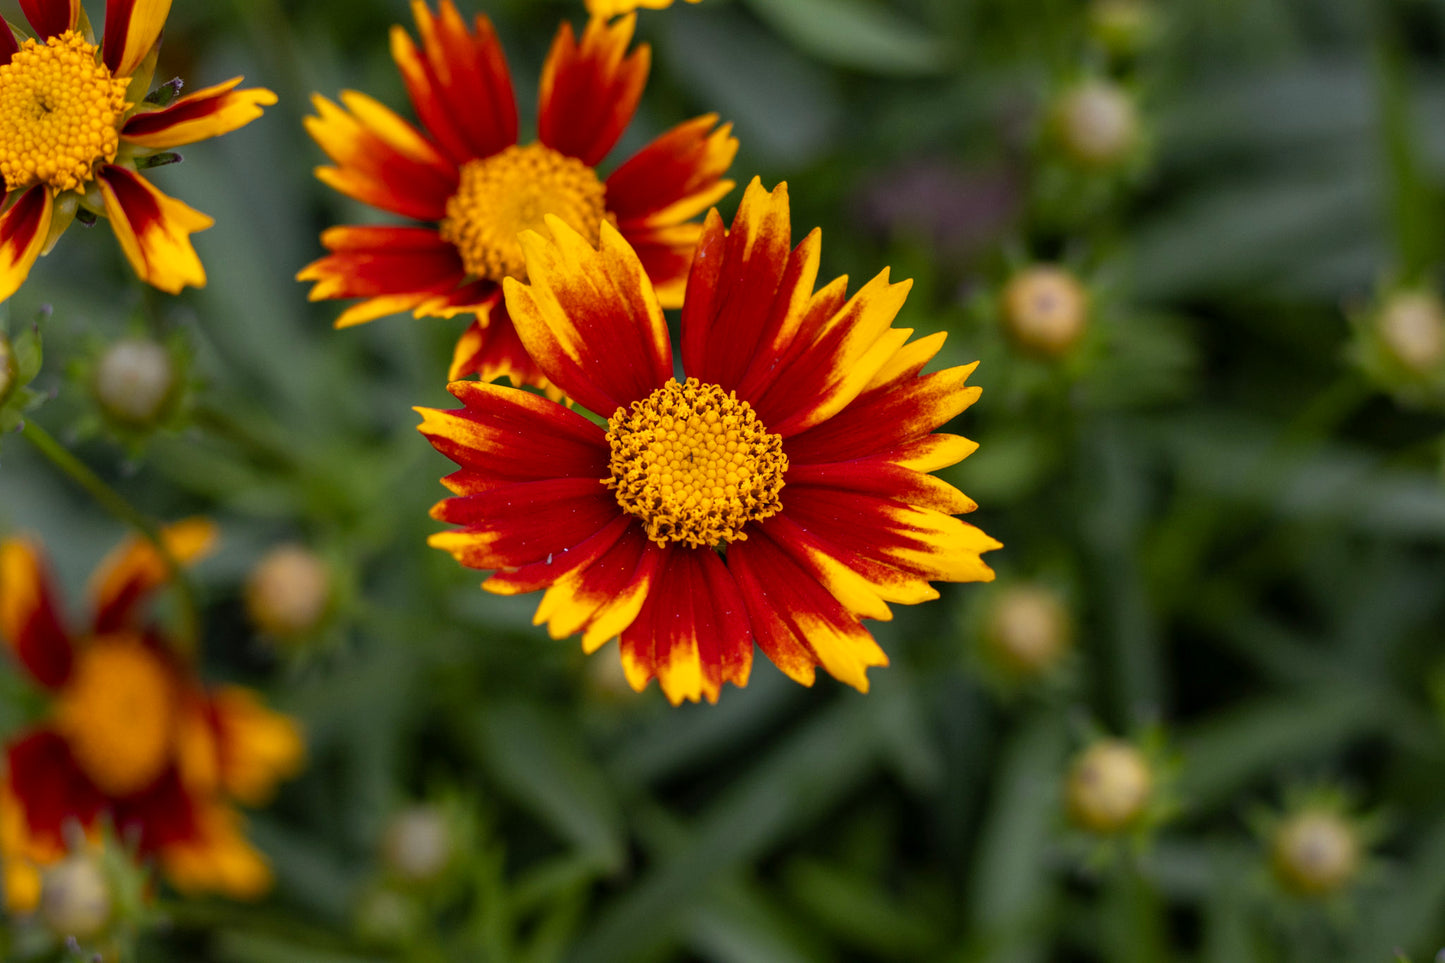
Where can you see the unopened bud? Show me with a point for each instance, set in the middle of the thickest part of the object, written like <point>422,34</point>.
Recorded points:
<point>1028,629</point>
<point>1411,326</point>
<point>7,368</point>
<point>417,845</point>
<point>1315,852</point>
<point>1121,26</point>
<point>75,897</point>
<point>134,381</point>
<point>385,917</point>
<point>1097,123</point>
<point>1109,787</point>
<point>1045,309</point>
<point>289,592</point>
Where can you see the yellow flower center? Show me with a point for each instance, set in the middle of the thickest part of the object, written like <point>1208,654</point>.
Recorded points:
<point>117,713</point>
<point>60,113</point>
<point>513,191</point>
<point>695,464</point>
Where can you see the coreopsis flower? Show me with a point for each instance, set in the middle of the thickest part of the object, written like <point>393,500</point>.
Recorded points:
<point>475,187</point>
<point>133,737</point>
<point>616,8</point>
<point>76,129</point>
<point>780,492</point>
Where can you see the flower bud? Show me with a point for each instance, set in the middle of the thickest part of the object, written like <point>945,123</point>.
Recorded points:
<point>134,382</point>
<point>1121,27</point>
<point>288,592</point>
<point>385,917</point>
<point>1027,630</point>
<point>75,897</point>
<point>1315,852</point>
<point>1411,326</point>
<point>417,844</point>
<point>1097,123</point>
<point>7,368</point>
<point>1045,309</point>
<point>1109,787</point>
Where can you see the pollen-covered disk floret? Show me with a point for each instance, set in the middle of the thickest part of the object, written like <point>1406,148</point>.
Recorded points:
<point>60,112</point>
<point>695,464</point>
<point>513,191</point>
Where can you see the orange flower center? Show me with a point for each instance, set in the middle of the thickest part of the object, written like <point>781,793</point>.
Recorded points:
<point>513,191</point>
<point>60,112</point>
<point>117,713</point>
<point>695,464</point>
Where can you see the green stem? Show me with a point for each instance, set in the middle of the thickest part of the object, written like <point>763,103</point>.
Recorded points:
<point>113,502</point>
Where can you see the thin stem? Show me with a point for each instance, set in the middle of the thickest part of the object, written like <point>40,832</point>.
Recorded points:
<point>113,502</point>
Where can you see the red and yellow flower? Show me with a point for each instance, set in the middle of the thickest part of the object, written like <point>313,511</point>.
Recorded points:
<point>616,8</point>
<point>476,188</point>
<point>133,738</point>
<point>779,494</point>
<point>75,130</point>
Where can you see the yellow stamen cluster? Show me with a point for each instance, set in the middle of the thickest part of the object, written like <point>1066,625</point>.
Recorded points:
<point>60,113</point>
<point>695,464</point>
<point>117,714</point>
<point>513,191</point>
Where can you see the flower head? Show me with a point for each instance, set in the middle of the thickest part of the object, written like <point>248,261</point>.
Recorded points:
<point>133,738</point>
<point>779,494</point>
<point>475,187</point>
<point>76,129</point>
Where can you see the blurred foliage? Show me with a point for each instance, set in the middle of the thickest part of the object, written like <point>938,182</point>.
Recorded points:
<point>1248,527</point>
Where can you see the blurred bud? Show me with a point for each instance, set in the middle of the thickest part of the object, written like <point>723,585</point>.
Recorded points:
<point>1122,27</point>
<point>7,368</point>
<point>1045,309</point>
<point>385,917</point>
<point>75,897</point>
<point>1109,787</point>
<point>1411,326</point>
<point>417,844</point>
<point>134,381</point>
<point>289,592</point>
<point>1027,629</point>
<point>1315,852</point>
<point>1097,123</point>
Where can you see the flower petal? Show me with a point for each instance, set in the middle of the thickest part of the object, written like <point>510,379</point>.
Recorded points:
<point>50,787</point>
<point>666,255</point>
<point>258,747</point>
<point>522,523</point>
<point>491,349</point>
<point>613,8</point>
<point>605,596</point>
<point>367,262</point>
<point>797,622</point>
<point>51,18</point>
<point>154,230</point>
<point>29,614</point>
<point>692,632</point>
<point>209,112</point>
<point>215,857</point>
<point>381,159</point>
<point>132,28</point>
<point>134,569</point>
<point>590,91</point>
<point>458,82</point>
<point>23,230</point>
<point>674,178</point>
<point>590,318</point>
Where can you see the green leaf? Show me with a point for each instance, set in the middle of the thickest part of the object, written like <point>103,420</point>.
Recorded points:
<point>856,33</point>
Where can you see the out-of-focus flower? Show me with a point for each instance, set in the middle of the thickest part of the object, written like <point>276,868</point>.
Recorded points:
<point>134,739</point>
<point>134,382</point>
<point>1027,630</point>
<point>1411,326</point>
<point>1122,27</point>
<point>1316,852</point>
<point>417,844</point>
<point>1097,123</point>
<point>1109,787</point>
<point>1045,309</point>
<point>75,897</point>
<point>476,188</point>
<point>288,593</point>
<point>607,9</point>
<point>1399,343</point>
<point>780,493</point>
<point>76,129</point>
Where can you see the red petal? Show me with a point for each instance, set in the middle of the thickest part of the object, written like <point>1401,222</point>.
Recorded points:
<point>23,229</point>
<point>666,255</point>
<point>132,28</point>
<point>135,569</point>
<point>674,178</point>
<point>381,159</point>
<point>371,261</point>
<point>520,524</point>
<point>50,18</point>
<point>692,633</point>
<point>29,616</point>
<point>154,230</point>
<point>605,596</point>
<point>458,82</point>
<point>544,572</point>
<point>206,113</point>
<point>50,787</point>
<point>491,349</point>
<point>590,318</point>
<point>162,815</point>
<point>590,92</point>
